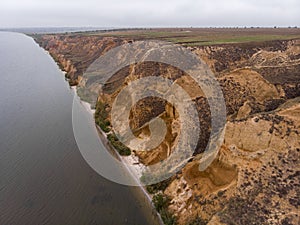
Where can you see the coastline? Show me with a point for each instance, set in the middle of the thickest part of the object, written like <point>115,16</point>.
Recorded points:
<point>134,169</point>
<point>259,97</point>
<point>143,192</point>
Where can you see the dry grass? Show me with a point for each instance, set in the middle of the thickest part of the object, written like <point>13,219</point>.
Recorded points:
<point>203,36</point>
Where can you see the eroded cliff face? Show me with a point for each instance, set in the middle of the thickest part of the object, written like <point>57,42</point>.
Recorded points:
<point>255,178</point>
<point>75,53</point>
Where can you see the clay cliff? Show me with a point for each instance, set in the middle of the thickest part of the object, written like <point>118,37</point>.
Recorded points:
<point>255,177</point>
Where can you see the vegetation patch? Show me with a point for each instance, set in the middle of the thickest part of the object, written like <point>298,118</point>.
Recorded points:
<point>101,116</point>
<point>161,203</point>
<point>161,186</point>
<point>118,145</point>
<point>101,119</point>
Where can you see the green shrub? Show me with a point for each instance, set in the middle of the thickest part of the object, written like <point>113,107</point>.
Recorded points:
<point>101,116</point>
<point>161,203</point>
<point>119,146</point>
<point>101,110</point>
<point>167,217</point>
<point>103,125</point>
<point>161,186</point>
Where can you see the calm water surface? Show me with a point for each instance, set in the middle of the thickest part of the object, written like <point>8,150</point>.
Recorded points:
<point>43,177</point>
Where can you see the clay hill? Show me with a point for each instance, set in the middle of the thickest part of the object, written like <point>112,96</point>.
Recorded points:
<point>256,177</point>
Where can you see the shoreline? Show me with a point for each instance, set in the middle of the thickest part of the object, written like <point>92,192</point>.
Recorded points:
<point>258,96</point>
<point>124,159</point>
<point>143,192</point>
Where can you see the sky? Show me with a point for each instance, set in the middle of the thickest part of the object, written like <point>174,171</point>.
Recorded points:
<point>153,13</point>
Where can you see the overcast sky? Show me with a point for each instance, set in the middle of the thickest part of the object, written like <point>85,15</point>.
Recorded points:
<point>153,13</point>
